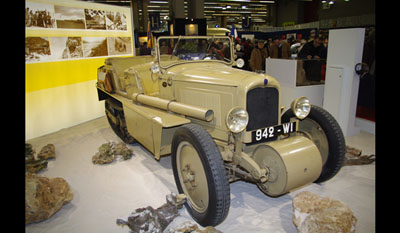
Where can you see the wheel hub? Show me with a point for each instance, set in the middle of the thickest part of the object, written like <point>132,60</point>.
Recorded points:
<point>189,177</point>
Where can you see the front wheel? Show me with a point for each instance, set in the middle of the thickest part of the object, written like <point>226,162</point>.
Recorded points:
<point>325,132</point>
<point>199,173</point>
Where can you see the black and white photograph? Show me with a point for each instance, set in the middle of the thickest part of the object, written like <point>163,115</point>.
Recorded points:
<point>69,17</point>
<point>119,45</point>
<point>95,19</point>
<point>37,49</point>
<point>66,47</point>
<point>95,46</point>
<point>51,46</point>
<point>116,21</point>
<point>39,15</point>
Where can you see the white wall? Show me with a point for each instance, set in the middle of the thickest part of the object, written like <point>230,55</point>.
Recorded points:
<point>52,109</point>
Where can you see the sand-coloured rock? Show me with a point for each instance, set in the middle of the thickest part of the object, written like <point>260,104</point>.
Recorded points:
<point>108,151</point>
<point>313,213</point>
<point>105,154</point>
<point>191,227</point>
<point>44,196</point>
<point>47,152</point>
<point>31,164</point>
<point>122,150</point>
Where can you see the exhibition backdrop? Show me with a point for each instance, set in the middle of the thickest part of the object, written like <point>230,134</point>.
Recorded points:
<point>65,42</point>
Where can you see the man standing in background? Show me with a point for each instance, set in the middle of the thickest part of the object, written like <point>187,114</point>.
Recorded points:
<point>280,49</point>
<point>257,58</point>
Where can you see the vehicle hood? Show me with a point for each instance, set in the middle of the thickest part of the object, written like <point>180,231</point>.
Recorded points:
<point>212,73</point>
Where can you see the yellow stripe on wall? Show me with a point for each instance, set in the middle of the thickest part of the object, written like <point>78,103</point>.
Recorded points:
<point>39,76</point>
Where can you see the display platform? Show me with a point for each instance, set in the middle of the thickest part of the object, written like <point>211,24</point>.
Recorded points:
<point>103,193</point>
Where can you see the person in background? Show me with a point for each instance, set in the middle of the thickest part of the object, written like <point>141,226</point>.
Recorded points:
<point>226,50</point>
<point>164,49</point>
<point>144,50</point>
<point>302,43</point>
<point>324,53</point>
<point>280,49</point>
<point>257,58</point>
<point>312,53</point>
<point>313,50</point>
<point>202,47</point>
<point>267,45</point>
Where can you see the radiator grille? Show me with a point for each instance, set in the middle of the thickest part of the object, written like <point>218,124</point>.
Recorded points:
<point>262,107</point>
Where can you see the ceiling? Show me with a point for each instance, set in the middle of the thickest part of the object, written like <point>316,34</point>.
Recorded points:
<point>257,10</point>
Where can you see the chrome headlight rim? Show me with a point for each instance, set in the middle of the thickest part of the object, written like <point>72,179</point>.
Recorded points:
<point>237,119</point>
<point>240,62</point>
<point>301,107</point>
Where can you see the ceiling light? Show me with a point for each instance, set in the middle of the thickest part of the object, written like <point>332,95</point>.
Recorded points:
<point>331,2</point>
<point>160,2</point>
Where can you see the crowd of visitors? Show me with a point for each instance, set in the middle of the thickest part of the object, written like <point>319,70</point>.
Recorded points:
<point>255,51</point>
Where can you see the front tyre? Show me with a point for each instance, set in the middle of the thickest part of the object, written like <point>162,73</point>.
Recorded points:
<point>325,132</point>
<point>199,173</point>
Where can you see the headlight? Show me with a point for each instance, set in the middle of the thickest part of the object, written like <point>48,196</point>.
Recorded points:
<point>240,62</point>
<point>237,119</point>
<point>301,107</point>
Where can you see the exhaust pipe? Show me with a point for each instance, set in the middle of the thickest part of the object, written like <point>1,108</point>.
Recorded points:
<point>173,106</point>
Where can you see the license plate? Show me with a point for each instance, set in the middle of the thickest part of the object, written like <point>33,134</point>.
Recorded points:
<point>272,132</point>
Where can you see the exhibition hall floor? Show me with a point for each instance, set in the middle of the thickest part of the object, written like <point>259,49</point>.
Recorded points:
<point>103,193</point>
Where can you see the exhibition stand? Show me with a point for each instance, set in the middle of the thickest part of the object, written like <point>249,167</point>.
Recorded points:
<point>338,93</point>
<point>291,76</point>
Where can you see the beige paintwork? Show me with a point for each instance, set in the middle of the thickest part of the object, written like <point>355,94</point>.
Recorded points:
<point>291,163</point>
<point>203,92</point>
<point>173,106</point>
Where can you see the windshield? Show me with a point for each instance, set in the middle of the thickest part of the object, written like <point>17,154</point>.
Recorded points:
<point>174,50</point>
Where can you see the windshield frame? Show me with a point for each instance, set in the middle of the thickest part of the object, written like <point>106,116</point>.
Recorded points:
<point>158,56</point>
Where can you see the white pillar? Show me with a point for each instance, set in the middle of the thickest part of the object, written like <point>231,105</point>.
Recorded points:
<point>345,50</point>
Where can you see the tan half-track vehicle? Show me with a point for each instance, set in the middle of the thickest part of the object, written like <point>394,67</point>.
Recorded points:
<point>219,123</point>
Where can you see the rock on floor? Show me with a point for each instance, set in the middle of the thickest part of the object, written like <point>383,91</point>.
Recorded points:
<point>191,227</point>
<point>108,151</point>
<point>47,152</point>
<point>31,164</point>
<point>313,213</point>
<point>152,220</point>
<point>44,196</point>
